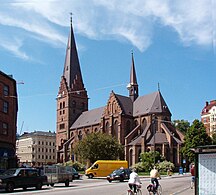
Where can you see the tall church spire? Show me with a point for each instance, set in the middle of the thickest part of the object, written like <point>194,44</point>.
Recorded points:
<point>133,86</point>
<point>72,98</point>
<point>72,72</point>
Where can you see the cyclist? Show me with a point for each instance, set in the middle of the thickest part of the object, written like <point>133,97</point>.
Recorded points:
<point>154,174</point>
<point>134,180</point>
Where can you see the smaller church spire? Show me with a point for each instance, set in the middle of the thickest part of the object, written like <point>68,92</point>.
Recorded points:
<point>133,86</point>
<point>133,79</point>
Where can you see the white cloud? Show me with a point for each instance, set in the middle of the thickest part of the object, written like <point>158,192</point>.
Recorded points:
<point>133,21</point>
<point>15,48</point>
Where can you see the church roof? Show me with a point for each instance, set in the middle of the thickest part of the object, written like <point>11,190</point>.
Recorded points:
<point>126,104</point>
<point>158,138</point>
<point>89,118</point>
<point>148,104</point>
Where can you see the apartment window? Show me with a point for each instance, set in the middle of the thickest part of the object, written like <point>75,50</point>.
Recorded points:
<point>6,90</point>
<point>4,129</point>
<point>5,107</point>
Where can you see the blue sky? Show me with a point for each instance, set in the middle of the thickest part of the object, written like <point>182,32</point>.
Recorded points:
<point>174,44</point>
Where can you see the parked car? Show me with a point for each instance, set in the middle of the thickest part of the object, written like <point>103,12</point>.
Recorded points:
<point>119,174</point>
<point>22,178</point>
<point>76,175</point>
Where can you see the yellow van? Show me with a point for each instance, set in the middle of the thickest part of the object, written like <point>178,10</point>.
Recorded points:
<point>102,168</point>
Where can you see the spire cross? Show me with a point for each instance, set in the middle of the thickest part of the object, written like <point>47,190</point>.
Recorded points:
<point>158,86</point>
<point>71,17</point>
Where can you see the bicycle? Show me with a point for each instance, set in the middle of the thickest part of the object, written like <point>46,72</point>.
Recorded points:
<point>139,192</point>
<point>152,189</point>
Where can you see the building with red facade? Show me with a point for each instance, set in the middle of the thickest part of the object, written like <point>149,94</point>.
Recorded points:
<point>8,121</point>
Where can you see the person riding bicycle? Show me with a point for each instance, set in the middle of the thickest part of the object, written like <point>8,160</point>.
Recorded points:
<point>154,174</point>
<point>134,180</point>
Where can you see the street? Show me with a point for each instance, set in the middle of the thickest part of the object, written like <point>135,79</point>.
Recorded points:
<point>174,185</point>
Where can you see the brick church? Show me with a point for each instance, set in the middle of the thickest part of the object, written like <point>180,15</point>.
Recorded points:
<point>140,123</point>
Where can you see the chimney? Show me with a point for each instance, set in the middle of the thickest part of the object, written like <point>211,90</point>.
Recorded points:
<point>207,103</point>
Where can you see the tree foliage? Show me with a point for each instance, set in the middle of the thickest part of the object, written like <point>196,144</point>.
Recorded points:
<point>99,146</point>
<point>148,159</point>
<point>181,125</point>
<point>214,138</point>
<point>195,136</point>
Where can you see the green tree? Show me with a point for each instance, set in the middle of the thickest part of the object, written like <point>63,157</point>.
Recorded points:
<point>214,138</point>
<point>195,136</point>
<point>181,125</point>
<point>99,146</point>
<point>148,159</point>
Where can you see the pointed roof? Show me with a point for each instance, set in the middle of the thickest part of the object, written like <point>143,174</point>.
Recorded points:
<point>151,103</point>
<point>72,69</point>
<point>133,79</point>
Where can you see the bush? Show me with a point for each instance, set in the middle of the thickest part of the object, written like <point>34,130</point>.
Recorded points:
<point>165,165</point>
<point>139,167</point>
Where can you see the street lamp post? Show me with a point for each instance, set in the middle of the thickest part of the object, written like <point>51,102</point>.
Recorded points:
<point>154,133</point>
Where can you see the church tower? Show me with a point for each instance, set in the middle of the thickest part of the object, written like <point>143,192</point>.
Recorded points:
<point>133,86</point>
<point>72,98</point>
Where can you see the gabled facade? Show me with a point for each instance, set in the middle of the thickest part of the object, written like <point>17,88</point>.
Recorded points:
<point>208,117</point>
<point>140,123</point>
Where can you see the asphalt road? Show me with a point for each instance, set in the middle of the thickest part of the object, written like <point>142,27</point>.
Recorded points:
<point>171,185</point>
